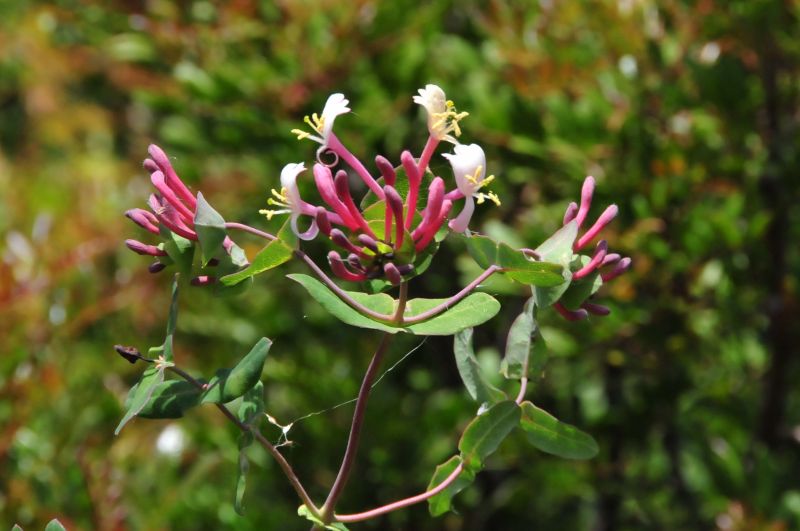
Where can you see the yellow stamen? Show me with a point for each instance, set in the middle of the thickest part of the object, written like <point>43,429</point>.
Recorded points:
<point>301,135</point>
<point>447,120</point>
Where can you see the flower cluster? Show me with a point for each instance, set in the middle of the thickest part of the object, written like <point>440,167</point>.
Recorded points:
<point>607,265</point>
<point>382,239</point>
<point>173,208</point>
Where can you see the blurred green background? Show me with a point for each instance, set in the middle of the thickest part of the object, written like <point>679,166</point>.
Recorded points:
<point>686,112</point>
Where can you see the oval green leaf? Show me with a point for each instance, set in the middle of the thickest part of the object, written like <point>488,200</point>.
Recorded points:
<point>228,385</point>
<point>550,435</point>
<point>210,228</point>
<point>170,400</point>
<point>441,502</point>
<point>485,433</point>
<point>470,370</point>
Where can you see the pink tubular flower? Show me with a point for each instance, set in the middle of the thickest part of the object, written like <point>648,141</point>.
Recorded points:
<point>608,265</point>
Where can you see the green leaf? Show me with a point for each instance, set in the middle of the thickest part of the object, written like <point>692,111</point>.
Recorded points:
<point>485,433</point>
<point>245,440</point>
<point>305,513</point>
<point>252,404</point>
<point>441,502</point>
<point>380,302</point>
<point>558,247</point>
<point>54,525</point>
<point>550,435</point>
<point>580,290</point>
<point>275,253</point>
<point>470,370</point>
<point>230,384</point>
<point>179,250</point>
<point>475,309</point>
<point>527,271</point>
<point>521,353</point>
<point>170,400</point>
<point>210,228</point>
<point>482,249</point>
<point>140,394</point>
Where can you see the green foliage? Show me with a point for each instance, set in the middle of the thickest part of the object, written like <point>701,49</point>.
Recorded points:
<point>210,228</point>
<point>485,433</point>
<point>229,384</point>
<point>275,253</point>
<point>470,370</point>
<point>475,309</point>
<point>441,502</point>
<point>550,435</point>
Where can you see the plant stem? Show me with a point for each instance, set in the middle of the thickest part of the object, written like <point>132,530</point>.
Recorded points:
<point>372,513</point>
<point>251,230</point>
<point>326,513</point>
<point>358,415</point>
<point>492,269</point>
<point>285,466</point>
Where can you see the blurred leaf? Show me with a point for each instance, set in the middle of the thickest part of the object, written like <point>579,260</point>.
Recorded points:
<point>172,323</point>
<point>245,440</point>
<point>550,435</point>
<point>180,251</point>
<point>470,370</point>
<point>486,431</point>
<point>230,384</point>
<point>54,525</point>
<point>441,502</point>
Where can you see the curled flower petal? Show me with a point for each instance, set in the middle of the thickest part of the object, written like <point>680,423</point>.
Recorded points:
<point>469,167</point>
<point>461,223</point>
<point>442,116</point>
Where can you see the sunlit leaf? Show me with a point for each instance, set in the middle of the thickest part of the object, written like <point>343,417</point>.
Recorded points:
<point>140,394</point>
<point>210,228</point>
<point>230,384</point>
<point>170,400</point>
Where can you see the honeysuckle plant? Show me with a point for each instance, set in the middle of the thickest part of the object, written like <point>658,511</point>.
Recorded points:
<point>379,241</point>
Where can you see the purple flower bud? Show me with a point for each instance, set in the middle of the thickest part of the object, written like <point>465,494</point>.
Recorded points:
<point>586,200</point>
<point>157,178</point>
<point>386,169</point>
<point>144,249</point>
<point>572,211</point>
<point>324,181</point>
<point>144,219</point>
<point>414,179</point>
<point>171,178</point>
<point>150,165</point>
<point>594,263</point>
<point>395,203</point>
<point>341,271</point>
<point>368,242</point>
<point>338,237</point>
<point>355,262</point>
<point>433,228</point>
<point>405,268</point>
<point>610,259</point>
<point>620,268</point>
<point>596,309</point>
<point>323,222</point>
<point>202,280</point>
<point>392,274</point>
<point>571,315</point>
<point>156,267</point>
<point>433,208</point>
<point>605,218</point>
<point>342,184</point>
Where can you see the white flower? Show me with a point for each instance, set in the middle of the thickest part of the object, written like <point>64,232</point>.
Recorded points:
<point>469,169</point>
<point>442,116</point>
<point>323,125</point>
<point>289,199</point>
